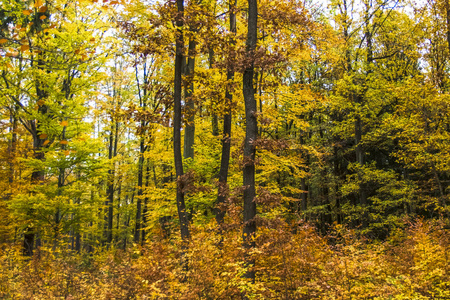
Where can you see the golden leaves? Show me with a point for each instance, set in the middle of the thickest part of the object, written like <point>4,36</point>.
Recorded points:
<point>38,3</point>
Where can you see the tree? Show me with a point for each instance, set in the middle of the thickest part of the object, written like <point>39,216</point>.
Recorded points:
<point>179,46</point>
<point>251,135</point>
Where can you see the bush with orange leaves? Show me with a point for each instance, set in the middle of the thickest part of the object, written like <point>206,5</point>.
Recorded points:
<point>291,263</point>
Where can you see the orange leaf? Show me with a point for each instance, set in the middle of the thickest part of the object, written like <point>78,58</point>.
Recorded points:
<point>24,47</point>
<point>2,41</point>
<point>43,136</point>
<point>64,142</point>
<point>46,143</point>
<point>41,102</point>
<point>67,152</point>
<point>38,3</point>
<point>43,17</point>
<point>64,123</point>
<point>26,12</point>
<point>43,9</point>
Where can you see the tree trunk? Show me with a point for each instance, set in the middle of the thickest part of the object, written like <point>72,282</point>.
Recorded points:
<point>189,132</point>
<point>181,207</point>
<point>113,137</point>
<point>37,177</point>
<point>251,134</point>
<point>226,138</point>
<point>140,189</point>
<point>447,10</point>
<point>144,210</point>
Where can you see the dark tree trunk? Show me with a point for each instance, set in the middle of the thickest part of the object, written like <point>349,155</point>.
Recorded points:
<point>37,177</point>
<point>12,142</point>
<point>251,134</point>
<point>113,139</point>
<point>140,189</point>
<point>360,159</point>
<point>226,138</point>
<point>215,119</point>
<point>189,130</point>
<point>447,10</point>
<point>144,209</point>
<point>181,207</point>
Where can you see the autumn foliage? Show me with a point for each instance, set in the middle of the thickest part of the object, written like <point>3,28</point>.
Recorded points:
<point>410,264</point>
<point>224,149</point>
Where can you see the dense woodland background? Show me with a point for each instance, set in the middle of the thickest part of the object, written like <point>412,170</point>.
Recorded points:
<point>213,149</point>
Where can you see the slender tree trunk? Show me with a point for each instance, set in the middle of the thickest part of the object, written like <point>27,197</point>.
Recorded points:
<point>251,134</point>
<point>189,130</point>
<point>118,204</point>
<point>226,137</point>
<point>140,189</point>
<point>181,207</point>
<point>215,119</point>
<point>37,177</point>
<point>12,143</point>
<point>447,10</point>
<point>360,159</point>
<point>61,183</point>
<point>144,210</point>
<point>113,138</point>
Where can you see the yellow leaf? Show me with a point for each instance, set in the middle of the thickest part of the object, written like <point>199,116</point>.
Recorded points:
<point>43,136</point>
<point>46,143</point>
<point>26,12</point>
<point>64,123</point>
<point>43,9</point>
<point>2,41</point>
<point>24,47</point>
<point>64,142</point>
<point>42,17</point>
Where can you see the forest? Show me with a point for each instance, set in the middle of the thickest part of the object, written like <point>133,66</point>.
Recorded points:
<point>224,149</point>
